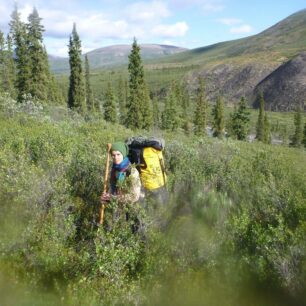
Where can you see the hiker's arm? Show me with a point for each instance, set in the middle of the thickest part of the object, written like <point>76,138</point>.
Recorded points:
<point>135,188</point>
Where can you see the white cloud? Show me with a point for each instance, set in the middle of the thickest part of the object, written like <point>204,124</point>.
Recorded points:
<point>243,29</point>
<point>173,30</point>
<point>229,21</point>
<point>147,11</point>
<point>212,6</point>
<point>207,6</point>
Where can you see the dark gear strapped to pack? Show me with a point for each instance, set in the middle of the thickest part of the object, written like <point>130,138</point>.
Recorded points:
<point>146,153</point>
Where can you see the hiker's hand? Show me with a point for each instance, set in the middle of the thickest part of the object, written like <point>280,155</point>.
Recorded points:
<point>105,197</point>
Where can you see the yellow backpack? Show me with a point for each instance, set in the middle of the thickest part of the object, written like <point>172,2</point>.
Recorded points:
<point>147,155</point>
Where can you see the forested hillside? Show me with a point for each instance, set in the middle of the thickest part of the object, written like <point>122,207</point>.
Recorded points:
<point>232,69</point>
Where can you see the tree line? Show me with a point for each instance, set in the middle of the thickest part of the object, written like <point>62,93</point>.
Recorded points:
<point>24,61</point>
<point>25,74</point>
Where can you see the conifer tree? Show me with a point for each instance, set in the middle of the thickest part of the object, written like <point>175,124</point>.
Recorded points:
<point>6,65</point>
<point>200,116</point>
<point>89,95</point>
<point>122,96</point>
<point>39,66</point>
<point>240,120</point>
<point>185,98</point>
<point>23,64</point>
<point>297,138</point>
<point>54,93</point>
<point>169,116</point>
<point>147,114</point>
<point>218,118</point>
<point>15,24</point>
<point>156,115</point>
<point>136,80</point>
<point>109,106</point>
<point>9,75</point>
<point>260,120</point>
<point>76,93</point>
<point>266,130</point>
<point>18,33</point>
<point>179,101</point>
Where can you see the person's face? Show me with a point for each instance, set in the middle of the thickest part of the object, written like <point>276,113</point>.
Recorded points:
<point>117,157</point>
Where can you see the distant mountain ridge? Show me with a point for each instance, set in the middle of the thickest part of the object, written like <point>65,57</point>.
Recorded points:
<point>115,55</point>
<point>272,61</point>
<point>241,67</point>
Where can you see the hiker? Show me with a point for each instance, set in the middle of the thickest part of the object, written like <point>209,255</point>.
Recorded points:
<point>125,183</point>
<point>146,154</point>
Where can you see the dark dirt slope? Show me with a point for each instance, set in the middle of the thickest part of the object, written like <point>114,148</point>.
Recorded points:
<point>285,88</point>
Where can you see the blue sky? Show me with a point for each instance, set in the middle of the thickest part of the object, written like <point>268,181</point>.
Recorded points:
<point>185,23</point>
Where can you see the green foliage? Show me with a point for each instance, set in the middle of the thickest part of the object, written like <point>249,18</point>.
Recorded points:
<point>76,93</point>
<point>23,64</point>
<point>155,113</point>
<point>170,120</point>
<point>31,74</point>
<point>122,98</point>
<point>39,74</point>
<point>240,120</point>
<point>135,107</point>
<point>147,114</point>
<point>235,218</point>
<point>297,138</point>
<point>89,96</point>
<point>266,130</point>
<point>260,120</point>
<point>200,115</point>
<point>109,106</point>
<point>218,118</point>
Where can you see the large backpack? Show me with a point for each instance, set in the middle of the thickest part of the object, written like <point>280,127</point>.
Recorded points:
<point>146,154</point>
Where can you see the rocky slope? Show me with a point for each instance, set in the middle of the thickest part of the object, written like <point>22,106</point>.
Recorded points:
<point>272,62</point>
<point>285,88</point>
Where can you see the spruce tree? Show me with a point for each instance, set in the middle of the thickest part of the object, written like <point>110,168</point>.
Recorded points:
<point>122,96</point>
<point>18,32</point>
<point>9,76</point>
<point>178,94</point>
<point>240,120</point>
<point>297,138</point>
<point>7,70</point>
<point>54,93</point>
<point>15,24</point>
<point>23,65</point>
<point>170,120</point>
<point>109,106</point>
<point>135,106</point>
<point>266,130</point>
<point>76,93</point>
<point>39,66</point>
<point>147,114</point>
<point>89,95</point>
<point>218,118</point>
<point>260,120</point>
<point>156,115</point>
<point>200,116</point>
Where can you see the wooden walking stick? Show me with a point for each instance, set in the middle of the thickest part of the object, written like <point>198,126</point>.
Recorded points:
<point>105,187</point>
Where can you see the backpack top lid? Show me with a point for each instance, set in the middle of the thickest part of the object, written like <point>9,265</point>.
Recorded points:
<point>144,142</point>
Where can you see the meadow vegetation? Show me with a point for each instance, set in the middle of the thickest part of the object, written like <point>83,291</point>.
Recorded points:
<point>235,222</point>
